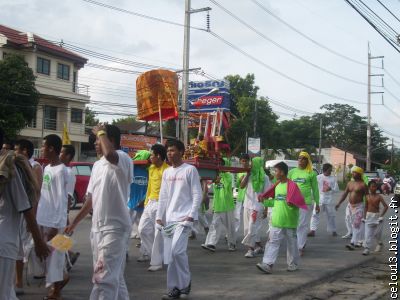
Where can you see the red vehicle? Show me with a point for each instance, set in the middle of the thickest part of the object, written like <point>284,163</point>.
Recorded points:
<point>82,171</point>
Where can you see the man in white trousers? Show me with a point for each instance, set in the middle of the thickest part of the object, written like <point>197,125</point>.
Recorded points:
<point>255,182</point>
<point>151,240</point>
<point>306,180</point>
<point>284,221</point>
<point>52,212</point>
<point>327,185</point>
<point>179,200</point>
<point>107,193</point>
<point>244,162</point>
<point>14,205</point>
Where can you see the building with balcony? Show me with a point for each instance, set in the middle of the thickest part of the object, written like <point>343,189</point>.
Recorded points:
<point>62,99</point>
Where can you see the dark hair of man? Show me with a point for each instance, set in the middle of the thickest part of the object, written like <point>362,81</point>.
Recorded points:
<point>1,136</point>
<point>176,143</point>
<point>244,156</point>
<point>326,167</point>
<point>283,167</point>
<point>27,145</point>
<point>69,150</point>
<point>8,142</point>
<point>160,150</point>
<point>53,140</point>
<point>372,182</point>
<point>114,134</point>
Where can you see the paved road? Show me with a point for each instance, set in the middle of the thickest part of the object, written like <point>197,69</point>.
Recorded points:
<point>221,275</point>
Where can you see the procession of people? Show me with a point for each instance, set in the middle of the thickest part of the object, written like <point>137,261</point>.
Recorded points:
<point>34,209</point>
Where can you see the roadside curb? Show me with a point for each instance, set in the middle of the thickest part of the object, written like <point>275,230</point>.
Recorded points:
<point>321,279</point>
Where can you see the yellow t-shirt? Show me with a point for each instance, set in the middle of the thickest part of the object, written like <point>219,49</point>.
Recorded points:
<point>154,185</point>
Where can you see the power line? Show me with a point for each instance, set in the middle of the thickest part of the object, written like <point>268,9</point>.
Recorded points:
<point>358,9</point>
<point>140,15</point>
<point>308,37</point>
<point>391,111</point>
<point>389,10</point>
<point>265,37</point>
<point>392,77</point>
<point>281,73</point>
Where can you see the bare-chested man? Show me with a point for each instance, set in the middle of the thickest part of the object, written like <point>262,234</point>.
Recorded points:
<point>357,190</point>
<point>373,219</point>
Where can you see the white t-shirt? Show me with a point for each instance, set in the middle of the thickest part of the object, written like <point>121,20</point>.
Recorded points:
<point>13,201</point>
<point>34,163</point>
<point>180,194</point>
<point>326,197</point>
<point>71,182</point>
<point>53,204</point>
<point>109,185</point>
<point>251,197</point>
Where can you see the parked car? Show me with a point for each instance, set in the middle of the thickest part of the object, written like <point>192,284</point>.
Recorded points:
<point>82,172</point>
<point>375,176</point>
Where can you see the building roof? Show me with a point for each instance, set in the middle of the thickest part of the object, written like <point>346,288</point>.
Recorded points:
<point>27,40</point>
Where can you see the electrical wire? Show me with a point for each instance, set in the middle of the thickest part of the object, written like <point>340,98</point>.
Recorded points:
<point>281,73</point>
<point>265,37</point>
<point>140,15</point>
<point>266,10</point>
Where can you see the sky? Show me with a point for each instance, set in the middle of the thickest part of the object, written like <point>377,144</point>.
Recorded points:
<point>333,24</point>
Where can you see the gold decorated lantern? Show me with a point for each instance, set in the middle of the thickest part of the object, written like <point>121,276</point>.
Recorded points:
<point>157,95</point>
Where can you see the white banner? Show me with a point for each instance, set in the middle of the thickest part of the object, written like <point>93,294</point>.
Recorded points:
<point>254,145</point>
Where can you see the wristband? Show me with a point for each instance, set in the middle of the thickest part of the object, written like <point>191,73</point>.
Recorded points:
<point>100,133</point>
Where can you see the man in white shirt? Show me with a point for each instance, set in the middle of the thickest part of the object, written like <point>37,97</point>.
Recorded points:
<point>25,148</point>
<point>107,194</point>
<point>66,156</point>
<point>14,204</point>
<point>52,212</point>
<point>179,199</point>
<point>256,182</point>
<point>327,185</point>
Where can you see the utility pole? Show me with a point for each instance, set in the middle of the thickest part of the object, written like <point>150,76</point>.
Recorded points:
<point>185,77</point>
<point>320,145</point>
<point>391,155</point>
<point>255,118</point>
<point>369,134</point>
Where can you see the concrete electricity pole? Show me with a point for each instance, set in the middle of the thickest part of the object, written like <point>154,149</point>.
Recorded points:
<point>185,77</point>
<point>369,134</point>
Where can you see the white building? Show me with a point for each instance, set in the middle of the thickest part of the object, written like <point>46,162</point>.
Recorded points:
<point>62,100</point>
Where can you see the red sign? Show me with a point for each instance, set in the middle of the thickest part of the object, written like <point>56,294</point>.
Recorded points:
<point>131,143</point>
<point>209,101</point>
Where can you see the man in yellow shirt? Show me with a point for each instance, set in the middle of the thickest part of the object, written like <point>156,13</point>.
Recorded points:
<point>152,241</point>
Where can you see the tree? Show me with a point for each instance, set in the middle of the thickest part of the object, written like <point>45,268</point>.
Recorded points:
<point>246,108</point>
<point>18,95</point>
<point>90,117</point>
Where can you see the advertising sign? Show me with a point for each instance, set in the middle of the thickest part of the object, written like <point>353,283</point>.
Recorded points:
<point>130,143</point>
<point>200,100</point>
<point>254,145</point>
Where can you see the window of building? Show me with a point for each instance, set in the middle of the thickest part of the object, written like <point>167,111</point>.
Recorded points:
<point>43,66</point>
<point>76,115</point>
<point>63,71</point>
<point>50,117</point>
<point>32,124</point>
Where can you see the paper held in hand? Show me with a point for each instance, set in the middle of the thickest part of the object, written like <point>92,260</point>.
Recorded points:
<point>61,242</point>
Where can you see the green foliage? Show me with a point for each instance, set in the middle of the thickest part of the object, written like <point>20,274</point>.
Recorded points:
<point>90,117</point>
<point>245,107</point>
<point>124,121</point>
<point>18,95</point>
